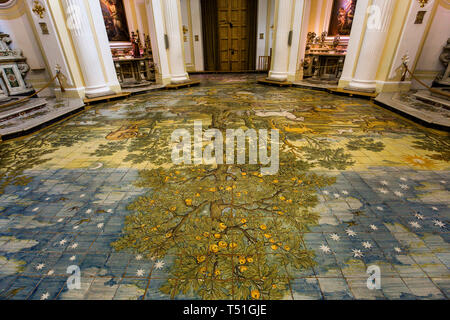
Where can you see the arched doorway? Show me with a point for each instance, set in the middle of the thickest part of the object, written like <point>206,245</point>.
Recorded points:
<point>229,34</point>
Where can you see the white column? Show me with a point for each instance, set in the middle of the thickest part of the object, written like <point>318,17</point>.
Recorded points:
<point>358,29</point>
<point>380,14</point>
<point>280,61</point>
<point>173,30</point>
<point>103,44</point>
<point>85,47</point>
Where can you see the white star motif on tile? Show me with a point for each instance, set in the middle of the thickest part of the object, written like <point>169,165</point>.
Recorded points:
<point>82,196</point>
<point>373,227</point>
<point>384,183</point>
<point>45,296</point>
<point>50,272</point>
<point>357,253</point>
<point>380,208</point>
<point>159,265</point>
<point>337,196</point>
<point>404,186</point>
<point>74,246</point>
<point>62,242</point>
<point>403,179</point>
<point>438,223</point>
<point>140,272</point>
<point>415,224</point>
<point>73,258</point>
<point>100,225</point>
<point>325,249</point>
<point>398,194</point>
<point>326,192</point>
<point>382,190</point>
<point>335,237</point>
<point>345,192</point>
<point>40,266</point>
<point>139,257</point>
<point>397,249</point>
<point>367,245</point>
<point>418,216</point>
<point>350,233</point>
<point>88,211</point>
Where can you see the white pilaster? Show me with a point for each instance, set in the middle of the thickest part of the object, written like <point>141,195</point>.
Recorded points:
<point>85,47</point>
<point>280,61</point>
<point>177,66</point>
<point>380,14</point>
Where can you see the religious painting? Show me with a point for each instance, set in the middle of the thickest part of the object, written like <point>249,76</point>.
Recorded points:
<point>342,17</point>
<point>115,20</point>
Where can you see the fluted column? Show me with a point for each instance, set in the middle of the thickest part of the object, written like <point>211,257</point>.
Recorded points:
<point>85,46</point>
<point>280,62</point>
<point>175,52</point>
<point>380,14</point>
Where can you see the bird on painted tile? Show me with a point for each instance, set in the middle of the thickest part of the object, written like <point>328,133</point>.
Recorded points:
<point>367,245</point>
<point>357,253</point>
<point>415,224</point>
<point>159,265</point>
<point>438,223</point>
<point>325,249</point>
<point>335,237</point>
<point>350,233</point>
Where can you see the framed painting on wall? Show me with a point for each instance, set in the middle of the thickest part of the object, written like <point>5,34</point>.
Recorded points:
<point>342,17</point>
<point>115,20</point>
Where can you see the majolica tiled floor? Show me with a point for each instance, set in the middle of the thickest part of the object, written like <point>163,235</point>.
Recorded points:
<point>358,186</point>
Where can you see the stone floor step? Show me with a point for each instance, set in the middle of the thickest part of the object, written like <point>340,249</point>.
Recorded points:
<point>25,107</point>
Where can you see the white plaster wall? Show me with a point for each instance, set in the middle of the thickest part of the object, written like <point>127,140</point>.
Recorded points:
<point>186,36</point>
<point>196,12</point>
<point>411,37</point>
<point>23,38</point>
<point>436,40</point>
<point>262,19</point>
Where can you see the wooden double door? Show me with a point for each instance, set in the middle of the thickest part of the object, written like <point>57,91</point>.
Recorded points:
<point>230,34</point>
<point>233,35</point>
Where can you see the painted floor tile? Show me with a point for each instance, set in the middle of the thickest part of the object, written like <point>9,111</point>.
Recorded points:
<point>358,188</point>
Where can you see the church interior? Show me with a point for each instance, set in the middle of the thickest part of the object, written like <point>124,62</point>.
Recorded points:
<point>355,96</point>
